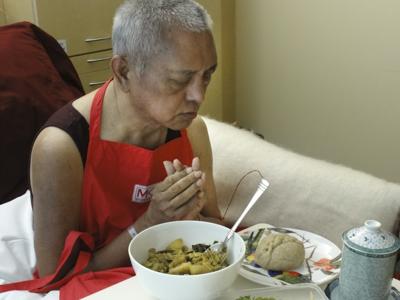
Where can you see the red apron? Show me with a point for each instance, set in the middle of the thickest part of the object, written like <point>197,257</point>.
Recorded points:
<point>115,188</point>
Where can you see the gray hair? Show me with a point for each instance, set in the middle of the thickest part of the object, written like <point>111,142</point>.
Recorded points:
<point>139,27</point>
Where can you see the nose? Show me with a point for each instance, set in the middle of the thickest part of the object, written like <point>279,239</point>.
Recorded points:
<point>196,91</point>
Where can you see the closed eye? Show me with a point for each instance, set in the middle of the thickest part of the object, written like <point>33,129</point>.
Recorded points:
<point>208,74</point>
<point>207,77</point>
<point>179,82</point>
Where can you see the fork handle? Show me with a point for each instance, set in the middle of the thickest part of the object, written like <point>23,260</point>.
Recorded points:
<point>264,184</point>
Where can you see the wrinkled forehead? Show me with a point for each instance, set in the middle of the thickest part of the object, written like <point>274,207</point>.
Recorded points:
<point>185,50</point>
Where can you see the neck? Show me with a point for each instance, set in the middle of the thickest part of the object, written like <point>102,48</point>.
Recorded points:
<point>122,122</point>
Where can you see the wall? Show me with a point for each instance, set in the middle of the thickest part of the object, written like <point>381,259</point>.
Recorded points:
<point>323,78</point>
<point>220,103</point>
<point>2,15</point>
<point>228,39</point>
<point>19,10</point>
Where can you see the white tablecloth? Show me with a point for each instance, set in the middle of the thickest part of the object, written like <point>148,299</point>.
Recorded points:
<point>131,289</point>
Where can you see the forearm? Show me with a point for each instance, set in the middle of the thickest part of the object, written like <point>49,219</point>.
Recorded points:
<point>115,254</point>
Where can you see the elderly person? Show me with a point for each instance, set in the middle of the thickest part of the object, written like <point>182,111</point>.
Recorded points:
<point>132,154</point>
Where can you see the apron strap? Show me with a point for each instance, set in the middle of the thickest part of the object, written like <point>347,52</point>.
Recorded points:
<point>51,282</point>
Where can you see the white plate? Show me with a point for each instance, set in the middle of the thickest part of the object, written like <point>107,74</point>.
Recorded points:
<point>321,266</point>
<point>301,291</point>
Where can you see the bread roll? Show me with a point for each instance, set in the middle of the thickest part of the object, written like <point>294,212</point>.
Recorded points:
<point>279,252</point>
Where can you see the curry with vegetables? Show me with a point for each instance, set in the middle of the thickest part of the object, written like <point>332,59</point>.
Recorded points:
<point>178,259</point>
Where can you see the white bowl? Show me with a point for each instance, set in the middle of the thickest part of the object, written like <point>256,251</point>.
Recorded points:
<point>185,287</point>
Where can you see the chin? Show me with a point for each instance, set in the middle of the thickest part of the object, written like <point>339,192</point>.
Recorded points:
<point>181,124</point>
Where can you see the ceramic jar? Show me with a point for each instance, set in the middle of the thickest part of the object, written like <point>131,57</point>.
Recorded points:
<point>368,263</point>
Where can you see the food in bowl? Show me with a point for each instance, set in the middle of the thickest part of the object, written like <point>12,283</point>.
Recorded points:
<point>279,252</point>
<point>167,286</point>
<point>178,259</point>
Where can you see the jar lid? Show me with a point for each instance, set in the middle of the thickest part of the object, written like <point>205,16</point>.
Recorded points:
<point>371,239</point>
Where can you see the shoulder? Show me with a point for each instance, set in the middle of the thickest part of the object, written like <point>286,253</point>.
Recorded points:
<point>55,167</point>
<point>84,104</point>
<point>197,129</point>
<point>198,136</point>
<point>55,147</point>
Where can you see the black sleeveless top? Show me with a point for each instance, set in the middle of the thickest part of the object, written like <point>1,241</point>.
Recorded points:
<point>72,122</point>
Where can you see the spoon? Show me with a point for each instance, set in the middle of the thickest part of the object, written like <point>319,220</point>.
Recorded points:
<point>220,246</point>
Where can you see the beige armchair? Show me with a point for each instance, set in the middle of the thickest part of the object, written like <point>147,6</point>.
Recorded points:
<point>305,193</point>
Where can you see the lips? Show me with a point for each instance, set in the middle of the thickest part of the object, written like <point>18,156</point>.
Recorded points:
<point>191,115</point>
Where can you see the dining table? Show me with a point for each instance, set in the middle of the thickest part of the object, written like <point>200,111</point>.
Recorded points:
<point>132,289</point>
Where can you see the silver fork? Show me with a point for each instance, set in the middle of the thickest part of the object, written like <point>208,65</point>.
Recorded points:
<point>262,186</point>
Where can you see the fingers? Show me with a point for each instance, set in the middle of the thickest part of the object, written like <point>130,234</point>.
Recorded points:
<point>184,197</point>
<point>194,211</point>
<point>179,194</point>
<point>179,181</point>
<point>172,167</point>
<point>180,191</point>
<point>169,167</point>
<point>196,164</point>
<point>178,165</point>
<point>191,210</point>
<point>203,179</point>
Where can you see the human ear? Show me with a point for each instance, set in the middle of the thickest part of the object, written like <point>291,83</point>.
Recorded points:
<point>120,69</point>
